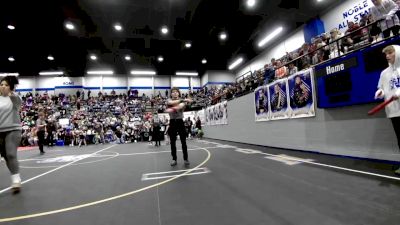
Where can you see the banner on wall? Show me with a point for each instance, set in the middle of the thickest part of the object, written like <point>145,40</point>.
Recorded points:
<point>292,97</point>
<point>261,104</point>
<point>278,100</point>
<point>302,94</point>
<point>217,114</point>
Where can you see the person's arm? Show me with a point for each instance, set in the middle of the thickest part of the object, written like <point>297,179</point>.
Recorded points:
<point>16,100</point>
<point>394,8</point>
<point>380,93</point>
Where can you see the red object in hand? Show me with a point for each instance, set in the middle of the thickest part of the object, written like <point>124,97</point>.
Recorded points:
<point>380,106</point>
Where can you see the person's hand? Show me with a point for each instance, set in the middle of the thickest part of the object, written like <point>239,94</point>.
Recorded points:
<point>188,100</point>
<point>379,94</point>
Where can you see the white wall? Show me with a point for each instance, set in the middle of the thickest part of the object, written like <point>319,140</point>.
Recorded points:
<point>67,85</point>
<point>94,83</point>
<point>195,81</point>
<point>349,10</point>
<point>45,83</point>
<point>162,83</point>
<point>26,84</point>
<point>204,79</point>
<point>181,82</point>
<point>117,83</point>
<point>290,44</point>
<point>144,84</point>
<point>341,131</point>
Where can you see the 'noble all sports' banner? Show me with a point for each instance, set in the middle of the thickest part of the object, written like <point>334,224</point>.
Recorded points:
<point>261,103</point>
<point>292,97</point>
<point>217,114</point>
<point>302,94</point>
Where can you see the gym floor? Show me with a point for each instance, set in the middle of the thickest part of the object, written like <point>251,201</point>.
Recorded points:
<point>226,183</point>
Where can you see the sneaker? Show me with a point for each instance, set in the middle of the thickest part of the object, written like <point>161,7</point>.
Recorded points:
<point>16,183</point>
<point>186,162</point>
<point>173,163</point>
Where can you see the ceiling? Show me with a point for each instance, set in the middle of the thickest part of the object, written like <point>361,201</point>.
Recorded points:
<point>40,31</point>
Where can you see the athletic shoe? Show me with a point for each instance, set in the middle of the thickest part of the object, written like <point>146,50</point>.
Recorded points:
<point>15,183</point>
<point>186,162</point>
<point>173,163</point>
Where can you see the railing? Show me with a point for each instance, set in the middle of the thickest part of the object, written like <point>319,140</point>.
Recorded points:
<point>336,48</point>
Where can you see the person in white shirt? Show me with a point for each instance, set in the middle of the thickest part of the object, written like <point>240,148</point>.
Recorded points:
<point>389,86</point>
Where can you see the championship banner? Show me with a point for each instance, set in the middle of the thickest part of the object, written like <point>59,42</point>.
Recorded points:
<point>301,90</point>
<point>278,100</point>
<point>261,104</point>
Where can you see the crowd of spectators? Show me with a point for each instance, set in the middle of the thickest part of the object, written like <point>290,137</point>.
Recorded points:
<point>382,22</point>
<point>77,120</point>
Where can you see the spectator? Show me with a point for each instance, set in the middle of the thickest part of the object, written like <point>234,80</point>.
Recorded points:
<point>386,10</point>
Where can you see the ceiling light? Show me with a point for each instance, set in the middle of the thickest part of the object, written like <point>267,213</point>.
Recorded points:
<point>270,36</point>
<point>11,59</point>
<point>143,72</point>
<point>186,74</point>
<point>235,64</point>
<point>164,30</point>
<point>100,72</point>
<point>69,26</point>
<point>11,27</point>
<point>223,36</point>
<point>188,45</point>
<point>51,58</point>
<point>93,57</point>
<point>160,58</point>
<point>9,74</point>
<point>204,61</point>
<point>127,58</point>
<point>117,27</point>
<point>51,73</point>
<point>251,3</point>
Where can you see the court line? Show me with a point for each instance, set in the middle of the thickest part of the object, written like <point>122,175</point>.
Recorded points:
<point>320,164</point>
<point>55,169</point>
<point>2,220</point>
<point>107,157</point>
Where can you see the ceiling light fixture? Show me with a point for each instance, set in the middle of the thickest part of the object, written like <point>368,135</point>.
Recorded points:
<point>164,30</point>
<point>11,27</point>
<point>11,59</point>
<point>186,73</point>
<point>204,61</point>
<point>51,58</point>
<point>160,58</point>
<point>235,64</point>
<point>143,72</point>
<point>223,36</point>
<point>251,3</point>
<point>9,74</point>
<point>51,73</point>
<point>69,26</point>
<point>118,27</point>
<point>270,36</point>
<point>127,58</point>
<point>188,45</point>
<point>100,72</point>
<point>93,57</point>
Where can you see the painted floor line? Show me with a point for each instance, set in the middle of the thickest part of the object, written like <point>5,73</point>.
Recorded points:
<point>55,169</point>
<point>325,165</point>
